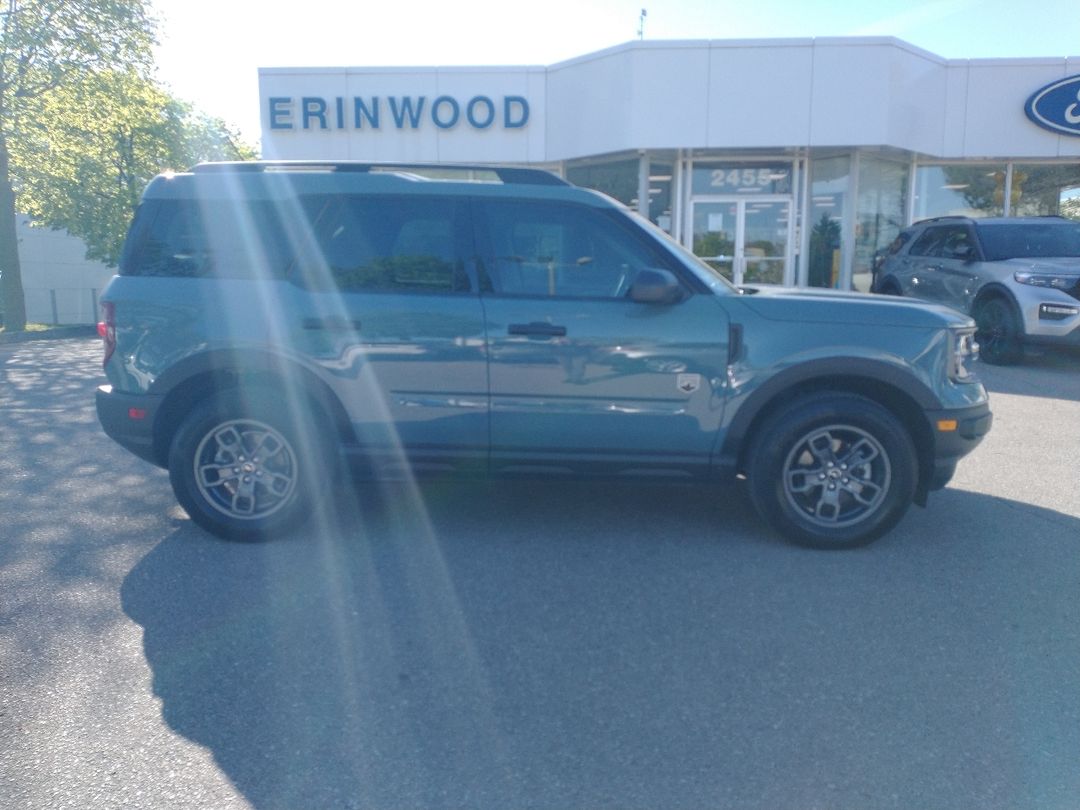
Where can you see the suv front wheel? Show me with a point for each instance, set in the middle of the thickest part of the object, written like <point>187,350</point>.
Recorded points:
<point>832,470</point>
<point>998,332</point>
<point>244,467</point>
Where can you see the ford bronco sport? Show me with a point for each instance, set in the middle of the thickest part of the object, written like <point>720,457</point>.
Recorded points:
<point>271,321</point>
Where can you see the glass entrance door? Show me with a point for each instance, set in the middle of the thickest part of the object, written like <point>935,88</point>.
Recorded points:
<point>747,239</point>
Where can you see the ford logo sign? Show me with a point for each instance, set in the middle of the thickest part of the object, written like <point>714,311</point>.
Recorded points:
<point>1057,106</point>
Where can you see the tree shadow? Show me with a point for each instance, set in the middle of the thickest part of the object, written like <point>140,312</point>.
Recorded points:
<point>572,645</point>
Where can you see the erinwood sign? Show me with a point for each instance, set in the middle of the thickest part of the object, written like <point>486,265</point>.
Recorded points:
<point>1056,107</point>
<point>479,112</point>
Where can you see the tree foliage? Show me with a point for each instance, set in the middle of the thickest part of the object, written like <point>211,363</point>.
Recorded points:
<point>99,141</point>
<point>45,44</point>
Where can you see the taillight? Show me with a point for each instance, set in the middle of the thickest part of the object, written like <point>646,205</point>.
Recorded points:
<point>107,329</point>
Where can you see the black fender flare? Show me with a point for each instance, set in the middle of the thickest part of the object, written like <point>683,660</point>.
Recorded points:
<point>198,375</point>
<point>880,381</point>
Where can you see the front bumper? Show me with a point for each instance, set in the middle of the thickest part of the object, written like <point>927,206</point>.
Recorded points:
<point>956,432</point>
<point>128,419</point>
<point>1050,316</point>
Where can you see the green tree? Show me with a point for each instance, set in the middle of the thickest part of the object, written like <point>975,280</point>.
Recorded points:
<point>45,44</point>
<point>106,135</point>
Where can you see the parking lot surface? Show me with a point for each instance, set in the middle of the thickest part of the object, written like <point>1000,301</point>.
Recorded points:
<point>520,645</point>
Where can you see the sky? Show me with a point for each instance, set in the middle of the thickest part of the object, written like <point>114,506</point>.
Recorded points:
<point>210,50</point>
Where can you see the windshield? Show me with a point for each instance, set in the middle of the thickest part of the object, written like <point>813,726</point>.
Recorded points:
<point>1030,240</point>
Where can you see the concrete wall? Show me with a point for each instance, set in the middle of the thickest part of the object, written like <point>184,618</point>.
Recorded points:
<point>60,285</point>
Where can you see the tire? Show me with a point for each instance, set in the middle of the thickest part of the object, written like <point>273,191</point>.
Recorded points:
<point>245,468</point>
<point>998,332</point>
<point>889,288</point>
<point>832,471</point>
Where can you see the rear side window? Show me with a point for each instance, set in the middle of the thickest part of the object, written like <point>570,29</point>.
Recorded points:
<point>206,238</point>
<point>559,250</point>
<point>394,244</point>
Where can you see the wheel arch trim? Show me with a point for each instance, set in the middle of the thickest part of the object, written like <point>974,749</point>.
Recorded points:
<point>877,380</point>
<point>187,381</point>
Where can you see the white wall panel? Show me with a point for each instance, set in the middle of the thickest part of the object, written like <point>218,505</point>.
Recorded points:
<point>996,125</point>
<point>759,94</point>
<point>589,103</point>
<point>851,94</point>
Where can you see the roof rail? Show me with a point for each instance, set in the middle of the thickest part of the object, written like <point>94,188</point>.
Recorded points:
<point>941,219</point>
<point>976,219</point>
<point>506,174</point>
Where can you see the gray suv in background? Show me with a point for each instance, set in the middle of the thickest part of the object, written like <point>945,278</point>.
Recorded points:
<point>1018,277</point>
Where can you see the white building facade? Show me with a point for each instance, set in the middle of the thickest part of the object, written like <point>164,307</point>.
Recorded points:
<point>789,161</point>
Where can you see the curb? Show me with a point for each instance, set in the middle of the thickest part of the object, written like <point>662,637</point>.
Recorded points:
<point>57,333</point>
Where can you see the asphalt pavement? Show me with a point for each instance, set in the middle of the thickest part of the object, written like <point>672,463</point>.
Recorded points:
<point>524,645</point>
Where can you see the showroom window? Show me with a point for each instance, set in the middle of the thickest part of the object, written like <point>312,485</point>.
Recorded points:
<point>1045,190</point>
<point>660,184</point>
<point>829,181</point>
<point>968,189</point>
<point>741,178</point>
<point>616,178</point>
<point>881,207</point>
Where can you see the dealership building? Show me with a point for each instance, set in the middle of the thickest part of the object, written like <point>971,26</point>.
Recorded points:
<point>790,161</point>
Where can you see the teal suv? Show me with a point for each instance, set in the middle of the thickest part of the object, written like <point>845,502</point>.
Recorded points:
<point>274,325</point>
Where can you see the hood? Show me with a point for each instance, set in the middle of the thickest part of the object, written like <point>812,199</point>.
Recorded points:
<point>815,305</point>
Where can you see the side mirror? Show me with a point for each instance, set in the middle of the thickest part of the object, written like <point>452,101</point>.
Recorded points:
<point>654,286</point>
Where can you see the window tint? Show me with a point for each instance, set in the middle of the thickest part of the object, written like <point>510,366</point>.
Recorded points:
<point>897,243</point>
<point>220,238</point>
<point>384,243</point>
<point>956,244</point>
<point>1030,239</point>
<point>560,250</point>
<point>928,243</point>
<point>946,242</point>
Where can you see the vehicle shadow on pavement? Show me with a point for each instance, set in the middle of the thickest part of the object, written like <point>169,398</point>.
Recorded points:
<point>1053,373</point>
<point>573,645</point>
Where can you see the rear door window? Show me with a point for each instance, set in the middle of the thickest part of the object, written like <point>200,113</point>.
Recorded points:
<point>357,243</point>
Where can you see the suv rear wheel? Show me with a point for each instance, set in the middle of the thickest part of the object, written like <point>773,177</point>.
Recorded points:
<point>245,468</point>
<point>832,470</point>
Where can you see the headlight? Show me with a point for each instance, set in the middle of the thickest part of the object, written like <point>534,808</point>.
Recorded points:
<point>1057,282</point>
<point>964,352</point>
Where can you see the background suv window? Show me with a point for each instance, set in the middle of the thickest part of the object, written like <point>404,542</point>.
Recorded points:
<point>945,242</point>
<point>928,243</point>
<point>1030,239</point>
<point>956,243</point>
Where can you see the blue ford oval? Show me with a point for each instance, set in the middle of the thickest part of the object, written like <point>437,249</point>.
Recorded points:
<point>1057,106</point>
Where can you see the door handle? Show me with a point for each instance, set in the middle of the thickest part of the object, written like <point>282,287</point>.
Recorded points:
<point>331,324</point>
<point>537,329</point>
